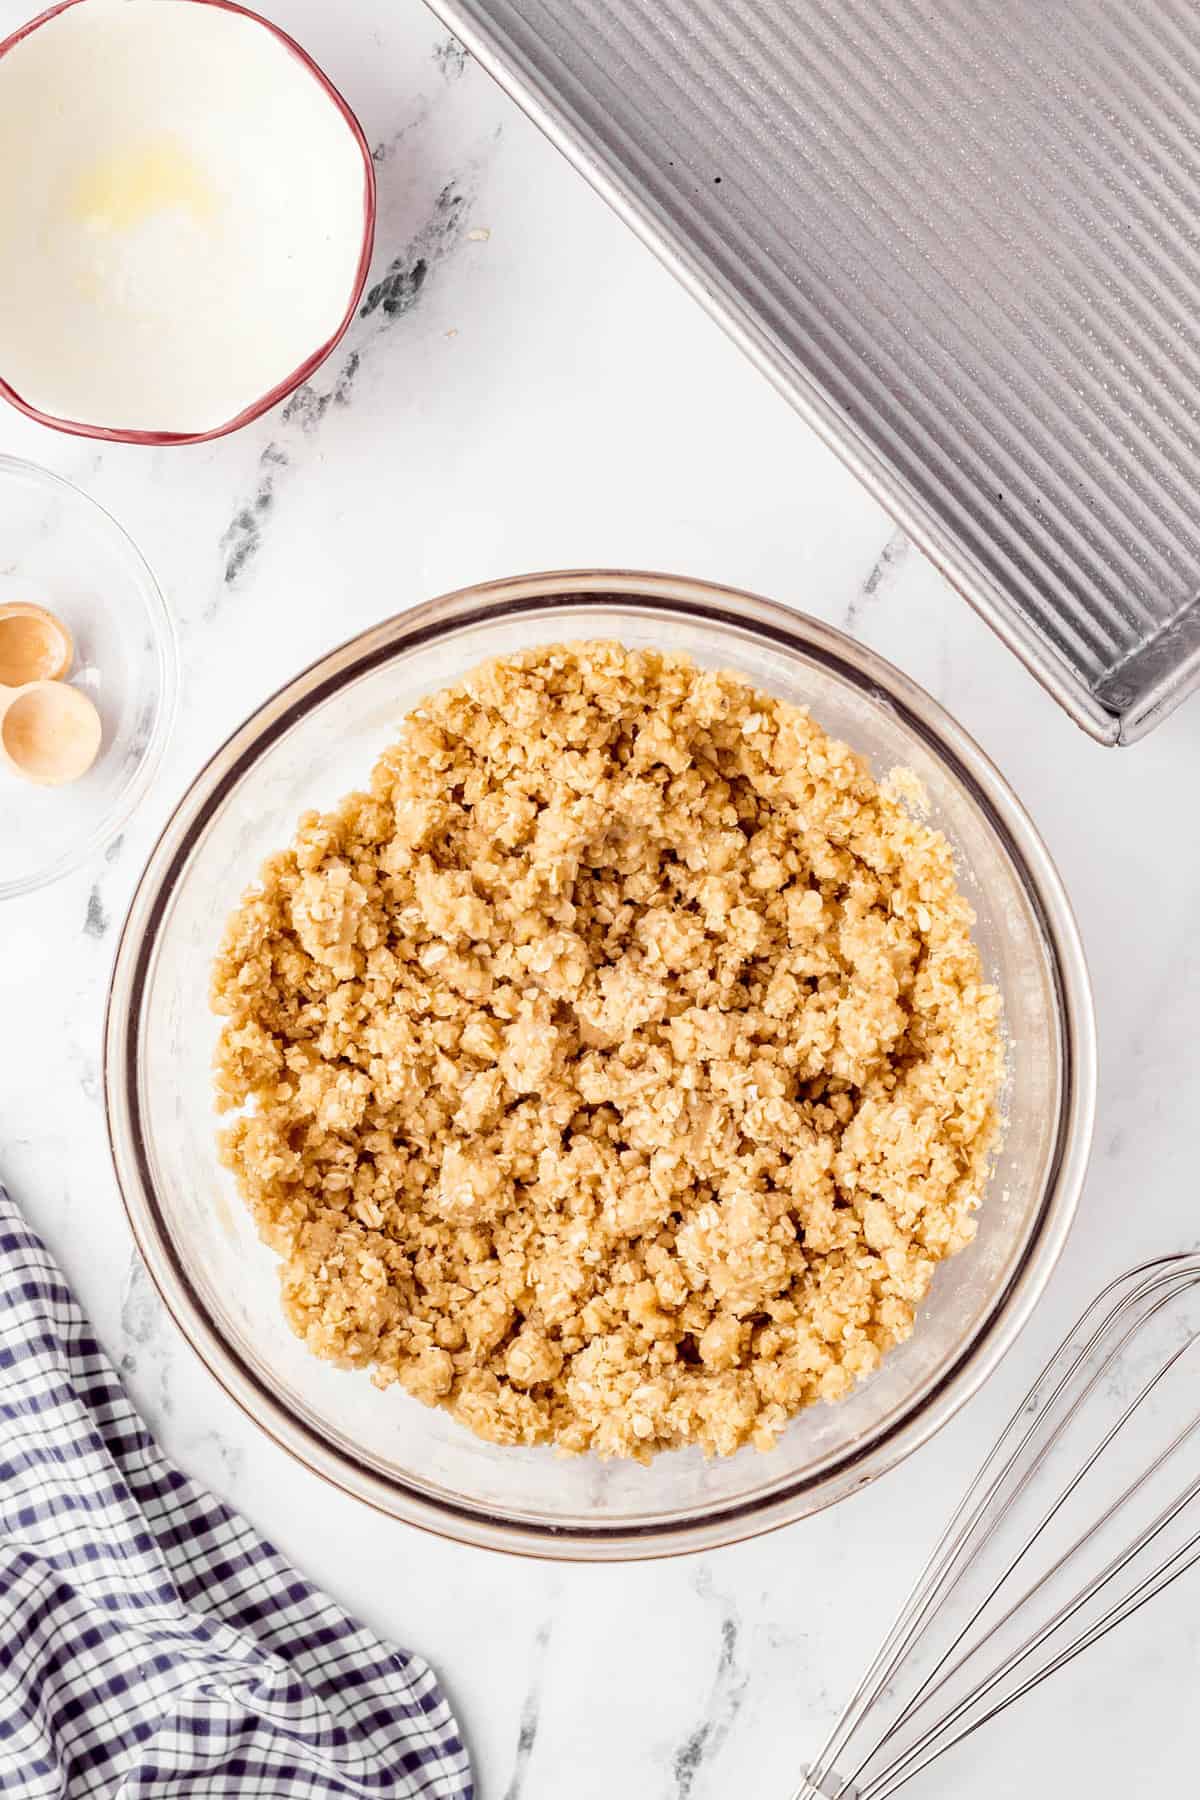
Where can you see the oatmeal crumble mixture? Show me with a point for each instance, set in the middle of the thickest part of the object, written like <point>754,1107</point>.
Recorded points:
<point>617,1069</point>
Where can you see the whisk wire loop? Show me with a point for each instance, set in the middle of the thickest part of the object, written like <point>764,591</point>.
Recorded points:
<point>991,1616</point>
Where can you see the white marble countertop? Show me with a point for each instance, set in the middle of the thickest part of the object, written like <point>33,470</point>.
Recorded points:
<point>532,391</point>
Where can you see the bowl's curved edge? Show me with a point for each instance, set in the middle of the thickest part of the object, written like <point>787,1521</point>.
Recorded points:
<point>732,1523</point>
<point>166,645</point>
<point>288,385</point>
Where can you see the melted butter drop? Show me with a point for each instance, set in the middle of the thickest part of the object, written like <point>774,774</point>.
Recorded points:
<point>120,191</point>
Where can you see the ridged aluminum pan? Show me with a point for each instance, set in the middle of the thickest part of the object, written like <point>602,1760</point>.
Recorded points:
<point>961,235</point>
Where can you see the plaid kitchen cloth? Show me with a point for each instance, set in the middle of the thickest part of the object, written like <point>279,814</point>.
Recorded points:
<point>152,1645</point>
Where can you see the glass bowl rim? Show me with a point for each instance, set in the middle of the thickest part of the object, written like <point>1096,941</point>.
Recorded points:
<point>664,595</point>
<point>166,647</point>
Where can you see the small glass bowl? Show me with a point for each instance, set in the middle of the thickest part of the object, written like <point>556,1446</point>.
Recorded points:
<point>318,738</point>
<point>61,550</point>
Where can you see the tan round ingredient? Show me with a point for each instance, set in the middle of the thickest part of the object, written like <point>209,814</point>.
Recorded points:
<point>50,733</point>
<point>616,1071</point>
<point>35,645</point>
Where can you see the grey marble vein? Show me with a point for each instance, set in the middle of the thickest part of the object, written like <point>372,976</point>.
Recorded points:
<point>140,1312</point>
<point>383,152</point>
<point>216,1461</point>
<point>450,57</point>
<point>144,1351</point>
<point>96,920</point>
<point>387,300</point>
<point>398,289</point>
<point>723,1702</point>
<point>531,1712</point>
<point>309,404</point>
<point>87,1071</point>
<point>883,570</point>
<point>242,538</point>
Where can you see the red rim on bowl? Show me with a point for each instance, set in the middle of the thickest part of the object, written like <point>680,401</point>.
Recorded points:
<point>114,434</point>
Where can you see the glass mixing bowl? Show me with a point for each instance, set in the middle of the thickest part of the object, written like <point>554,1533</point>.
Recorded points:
<point>306,747</point>
<point>60,549</point>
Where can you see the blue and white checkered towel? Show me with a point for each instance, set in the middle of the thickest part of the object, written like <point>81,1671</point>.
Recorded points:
<point>151,1644</point>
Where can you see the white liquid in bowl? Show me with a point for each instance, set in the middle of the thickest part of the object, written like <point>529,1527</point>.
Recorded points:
<point>182,215</point>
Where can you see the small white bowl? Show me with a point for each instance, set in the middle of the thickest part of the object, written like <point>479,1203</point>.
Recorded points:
<point>187,212</point>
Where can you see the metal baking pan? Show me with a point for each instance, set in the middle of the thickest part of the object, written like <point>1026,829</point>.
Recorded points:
<point>963,237</point>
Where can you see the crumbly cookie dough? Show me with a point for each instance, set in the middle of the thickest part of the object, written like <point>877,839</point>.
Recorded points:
<point>615,1071</point>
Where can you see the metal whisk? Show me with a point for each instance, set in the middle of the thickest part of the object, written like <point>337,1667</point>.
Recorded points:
<point>1082,1513</point>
